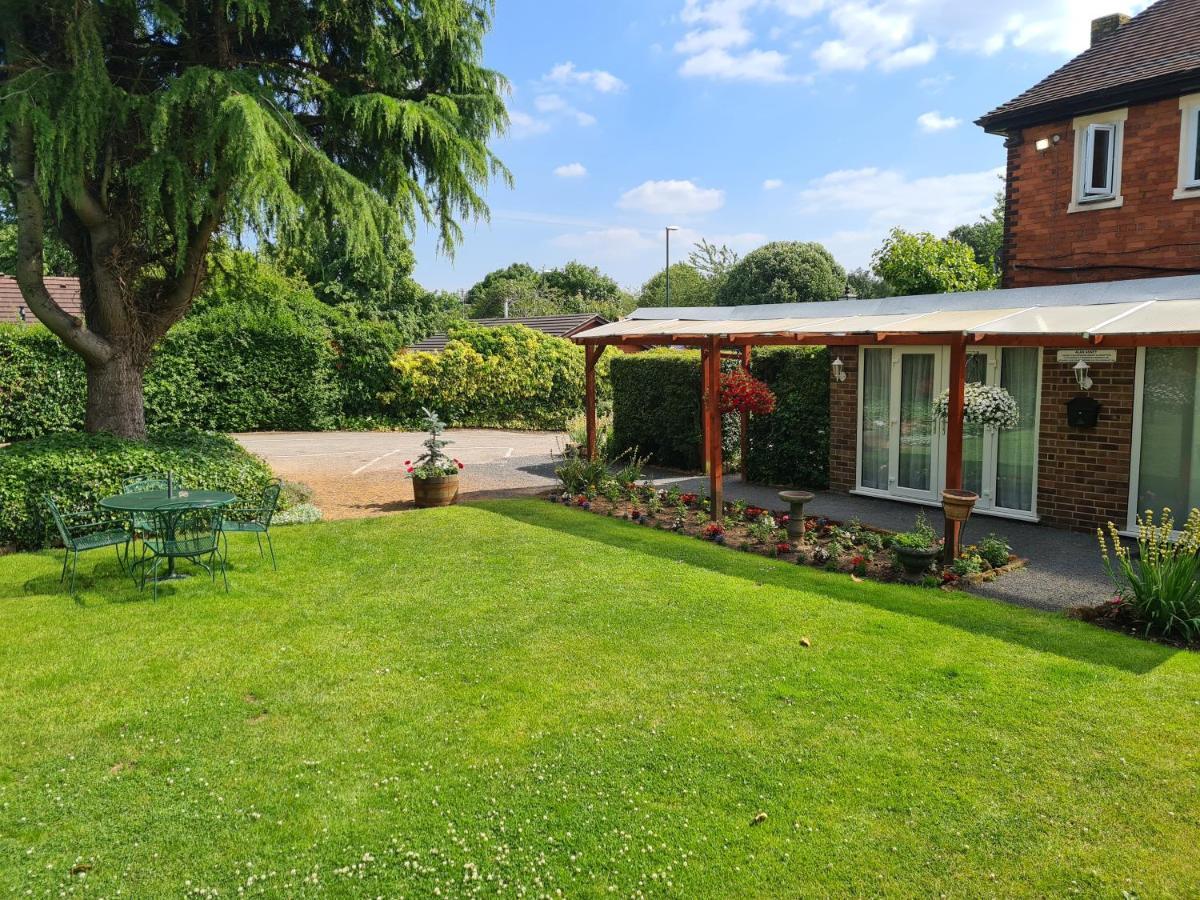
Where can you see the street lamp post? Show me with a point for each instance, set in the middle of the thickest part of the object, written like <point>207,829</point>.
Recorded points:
<point>669,229</point>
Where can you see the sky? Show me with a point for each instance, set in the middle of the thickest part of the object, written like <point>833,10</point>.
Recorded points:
<point>747,121</point>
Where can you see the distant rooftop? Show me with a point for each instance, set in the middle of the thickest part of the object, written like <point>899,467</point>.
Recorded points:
<point>65,291</point>
<point>1155,54</point>
<point>556,326</point>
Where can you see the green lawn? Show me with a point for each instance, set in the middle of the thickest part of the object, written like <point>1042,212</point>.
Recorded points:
<point>519,696</point>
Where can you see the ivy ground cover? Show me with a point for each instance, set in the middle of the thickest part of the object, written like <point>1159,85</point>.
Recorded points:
<point>513,698</point>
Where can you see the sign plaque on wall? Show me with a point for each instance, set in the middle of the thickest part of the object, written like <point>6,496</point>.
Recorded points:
<point>1087,355</point>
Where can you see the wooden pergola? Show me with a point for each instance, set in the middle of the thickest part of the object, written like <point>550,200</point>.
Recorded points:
<point>1159,315</point>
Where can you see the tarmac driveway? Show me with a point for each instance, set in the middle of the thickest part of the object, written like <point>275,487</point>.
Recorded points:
<point>355,473</point>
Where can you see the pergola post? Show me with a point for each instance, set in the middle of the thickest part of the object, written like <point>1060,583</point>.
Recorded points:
<point>591,356</point>
<point>745,417</point>
<point>711,365</point>
<point>954,439</point>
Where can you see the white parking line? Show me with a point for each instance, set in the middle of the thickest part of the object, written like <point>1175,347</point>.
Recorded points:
<point>368,465</point>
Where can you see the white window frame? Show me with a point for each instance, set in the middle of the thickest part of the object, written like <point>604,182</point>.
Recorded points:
<point>939,464</point>
<point>1188,186</point>
<point>1082,197</point>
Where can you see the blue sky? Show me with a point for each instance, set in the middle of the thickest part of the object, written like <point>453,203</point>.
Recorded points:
<point>744,121</point>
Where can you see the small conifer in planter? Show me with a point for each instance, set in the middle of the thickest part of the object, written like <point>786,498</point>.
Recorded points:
<point>434,474</point>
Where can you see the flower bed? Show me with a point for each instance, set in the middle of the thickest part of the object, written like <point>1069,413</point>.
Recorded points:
<point>852,548</point>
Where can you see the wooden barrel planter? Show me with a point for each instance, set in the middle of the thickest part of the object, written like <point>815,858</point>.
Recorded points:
<point>430,492</point>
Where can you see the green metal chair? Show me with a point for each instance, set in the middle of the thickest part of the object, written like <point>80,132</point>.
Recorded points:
<point>83,531</point>
<point>177,532</point>
<point>253,519</point>
<point>139,522</point>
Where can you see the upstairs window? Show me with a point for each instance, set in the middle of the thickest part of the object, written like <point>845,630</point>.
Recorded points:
<point>1099,151</point>
<point>1097,173</point>
<point>1189,147</point>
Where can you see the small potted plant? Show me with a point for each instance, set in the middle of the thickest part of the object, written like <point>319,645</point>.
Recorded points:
<point>434,474</point>
<point>916,550</point>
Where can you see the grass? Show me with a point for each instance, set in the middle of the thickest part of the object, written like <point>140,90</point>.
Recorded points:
<point>516,696</point>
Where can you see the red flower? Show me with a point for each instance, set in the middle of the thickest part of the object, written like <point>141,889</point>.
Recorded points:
<point>460,465</point>
<point>858,560</point>
<point>408,462</point>
<point>742,392</point>
<point>409,469</point>
<point>783,547</point>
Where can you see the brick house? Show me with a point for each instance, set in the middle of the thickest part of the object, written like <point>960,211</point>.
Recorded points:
<point>1095,332</point>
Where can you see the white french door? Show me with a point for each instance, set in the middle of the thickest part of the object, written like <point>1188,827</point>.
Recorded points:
<point>902,449</point>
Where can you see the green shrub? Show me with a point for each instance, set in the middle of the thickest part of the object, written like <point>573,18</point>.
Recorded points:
<point>78,469</point>
<point>1159,586</point>
<point>995,550</point>
<point>656,407</point>
<point>362,370</point>
<point>791,445</point>
<point>238,370</point>
<point>42,385</point>
<point>511,376</point>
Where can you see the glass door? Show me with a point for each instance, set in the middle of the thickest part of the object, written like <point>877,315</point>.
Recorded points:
<point>915,447</point>
<point>1168,442</point>
<point>976,446</point>
<point>876,419</point>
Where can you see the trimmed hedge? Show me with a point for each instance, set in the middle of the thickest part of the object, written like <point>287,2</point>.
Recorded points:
<point>791,446</point>
<point>78,469</point>
<point>242,372</point>
<point>42,387</point>
<point>510,376</point>
<point>656,406</point>
<point>656,409</point>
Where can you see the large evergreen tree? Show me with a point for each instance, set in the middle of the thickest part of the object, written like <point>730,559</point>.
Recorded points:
<point>135,130</point>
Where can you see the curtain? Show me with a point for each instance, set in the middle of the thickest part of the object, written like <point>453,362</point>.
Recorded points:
<point>973,436</point>
<point>876,415</point>
<point>916,421</point>
<point>1169,473</point>
<point>1016,450</point>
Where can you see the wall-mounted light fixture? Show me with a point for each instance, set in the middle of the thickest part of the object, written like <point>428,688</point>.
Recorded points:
<point>1081,375</point>
<point>839,370</point>
<point>1043,144</point>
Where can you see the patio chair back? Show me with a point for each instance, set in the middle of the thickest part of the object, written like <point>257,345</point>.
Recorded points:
<point>184,531</point>
<point>270,503</point>
<point>59,522</point>
<point>139,484</point>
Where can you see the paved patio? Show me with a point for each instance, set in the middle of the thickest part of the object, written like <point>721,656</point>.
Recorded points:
<point>1063,571</point>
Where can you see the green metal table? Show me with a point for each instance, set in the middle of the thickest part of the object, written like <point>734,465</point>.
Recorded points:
<point>147,501</point>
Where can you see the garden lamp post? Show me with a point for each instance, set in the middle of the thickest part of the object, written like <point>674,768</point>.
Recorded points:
<point>669,229</point>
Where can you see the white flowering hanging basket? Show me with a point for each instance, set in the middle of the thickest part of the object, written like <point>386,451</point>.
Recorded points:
<point>986,405</point>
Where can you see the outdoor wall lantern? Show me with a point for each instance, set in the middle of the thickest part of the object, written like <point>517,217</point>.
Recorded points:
<point>1081,375</point>
<point>839,370</point>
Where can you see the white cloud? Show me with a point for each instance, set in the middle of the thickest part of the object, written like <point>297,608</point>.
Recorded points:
<point>554,104</point>
<point>933,121</point>
<point>731,39</point>
<point>772,184</point>
<point>522,124</point>
<point>571,170</point>
<point>680,198</point>
<point>597,79</point>
<point>872,201</point>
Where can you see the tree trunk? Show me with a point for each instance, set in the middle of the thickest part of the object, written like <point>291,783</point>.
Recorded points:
<point>114,398</point>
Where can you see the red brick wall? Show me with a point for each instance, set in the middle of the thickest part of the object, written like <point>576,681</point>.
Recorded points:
<point>1151,234</point>
<point>843,422</point>
<point>1083,473</point>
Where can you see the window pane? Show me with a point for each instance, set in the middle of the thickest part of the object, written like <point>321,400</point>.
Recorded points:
<point>973,434</point>
<point>1016,449</point>
<point>1196,146</point>
<point>1101,151</point>
<point>916,421</point>
<point>1169,474</point>
<point>876,417</point>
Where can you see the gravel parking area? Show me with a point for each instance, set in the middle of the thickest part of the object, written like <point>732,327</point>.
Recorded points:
<point>362,473</point>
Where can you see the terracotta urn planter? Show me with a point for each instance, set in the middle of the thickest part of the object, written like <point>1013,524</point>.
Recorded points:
<point>957,505</point>
<point>430,492</point>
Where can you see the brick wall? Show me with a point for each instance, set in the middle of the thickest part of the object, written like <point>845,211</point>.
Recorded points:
<point>1083,473</point>
<point>1151,234</point>
<point>843,422</point>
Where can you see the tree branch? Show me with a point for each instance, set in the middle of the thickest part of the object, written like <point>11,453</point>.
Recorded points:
<point>30,269</point>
